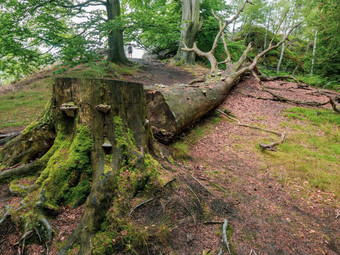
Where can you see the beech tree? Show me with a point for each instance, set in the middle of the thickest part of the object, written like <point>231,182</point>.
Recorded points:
<point>190,27</point>
<point>92,146</point>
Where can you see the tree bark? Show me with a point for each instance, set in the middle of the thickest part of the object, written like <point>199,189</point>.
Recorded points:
<point>190,27</point>
<point>116,52</point>
<point>176,109</point>
<point>99,128</point>
<point>314,50</point>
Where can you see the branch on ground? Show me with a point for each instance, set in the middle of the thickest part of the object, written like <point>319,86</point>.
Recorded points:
<point>270,146</point>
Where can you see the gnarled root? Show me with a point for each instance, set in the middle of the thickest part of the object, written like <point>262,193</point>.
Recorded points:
<point>28,169</point>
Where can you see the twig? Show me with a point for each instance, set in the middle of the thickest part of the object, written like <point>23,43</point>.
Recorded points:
<point>252,252</point>
<point>215,184</point>
<point>213,222</point>
<point>199,201</point>
<point>262,145</point>
<point>141,204</point>
<point>249,126</point>
<point>202,185</point>
<point>224,235</point>
<point>337,214</point>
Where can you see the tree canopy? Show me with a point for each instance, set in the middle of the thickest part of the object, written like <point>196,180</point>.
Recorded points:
<point>37,33</point>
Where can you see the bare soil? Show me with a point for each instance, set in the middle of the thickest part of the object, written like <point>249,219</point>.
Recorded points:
<point>264,215</point>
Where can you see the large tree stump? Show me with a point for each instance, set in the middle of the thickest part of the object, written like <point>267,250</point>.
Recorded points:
<point>98,129</point>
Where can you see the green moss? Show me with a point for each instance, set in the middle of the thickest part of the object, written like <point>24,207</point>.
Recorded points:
<point>70,160</point>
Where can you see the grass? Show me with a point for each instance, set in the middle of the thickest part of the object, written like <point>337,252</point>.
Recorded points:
<point>311,153</point>
<point>20,107</point>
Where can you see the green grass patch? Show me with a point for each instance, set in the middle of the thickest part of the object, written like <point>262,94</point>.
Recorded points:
<point>21,107</point>
<point>311,153</point>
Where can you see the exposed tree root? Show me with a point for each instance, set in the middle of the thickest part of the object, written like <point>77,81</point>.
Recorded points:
<point>270,146</point>
<point>141,204</point>
<point>27,169</point>
<point>6,215</point>
<point>4,138</point>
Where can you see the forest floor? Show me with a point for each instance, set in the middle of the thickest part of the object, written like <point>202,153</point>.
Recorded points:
<point>281,202</point>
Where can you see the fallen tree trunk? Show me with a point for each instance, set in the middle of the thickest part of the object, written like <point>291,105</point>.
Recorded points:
<point>173,110</point>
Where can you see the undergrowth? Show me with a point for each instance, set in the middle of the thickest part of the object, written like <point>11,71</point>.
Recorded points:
<point>311,153</point>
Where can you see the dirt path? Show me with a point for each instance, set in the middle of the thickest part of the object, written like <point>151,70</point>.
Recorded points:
<point>269,219</point>
<point>267,216</point>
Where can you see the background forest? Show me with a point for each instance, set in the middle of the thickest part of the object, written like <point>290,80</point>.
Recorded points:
<point>34,34</point>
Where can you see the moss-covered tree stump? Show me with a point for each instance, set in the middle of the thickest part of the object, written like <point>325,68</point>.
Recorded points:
<point>91,132</point>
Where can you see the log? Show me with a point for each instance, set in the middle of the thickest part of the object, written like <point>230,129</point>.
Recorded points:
<point>174,110</point>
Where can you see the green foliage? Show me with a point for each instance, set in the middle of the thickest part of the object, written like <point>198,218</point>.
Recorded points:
<point>158,24</point>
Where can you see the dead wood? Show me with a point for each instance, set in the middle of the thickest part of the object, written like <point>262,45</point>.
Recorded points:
<point>270,146</point>
<point>141,204</point>
<point>284,99</point>
<point>225,243</point>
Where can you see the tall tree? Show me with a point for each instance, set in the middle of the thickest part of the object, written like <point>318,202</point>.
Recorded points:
<point>70,29</point>
<point>191,25</point>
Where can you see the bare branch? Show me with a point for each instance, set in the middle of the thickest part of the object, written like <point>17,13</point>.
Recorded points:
<point>209,55</point>
<point>222,27</point>
<point>238,12</point>
<point>239,63</point>
<point>256,59</point>
<point>278,27</point>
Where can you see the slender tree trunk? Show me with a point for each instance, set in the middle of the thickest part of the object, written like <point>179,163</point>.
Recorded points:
<point>314,50</point>
<point>233,33</point>
<point>115,38</point>
<point>281,57</point>
<point>266,36</point>
<point>287,24</point>
<point>190,27</point>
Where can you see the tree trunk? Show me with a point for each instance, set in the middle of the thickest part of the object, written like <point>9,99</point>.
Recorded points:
<point>190,27</point>
<point>115,36</point>
<point>314,50</point>
<point>281,57</point>
<point>100,131</point>
<point>173,110</point>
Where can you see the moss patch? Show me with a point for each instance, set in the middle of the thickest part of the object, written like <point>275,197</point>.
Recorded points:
<point>68,172</point>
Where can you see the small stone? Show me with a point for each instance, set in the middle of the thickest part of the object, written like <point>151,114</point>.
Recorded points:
<point>103,108</point>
